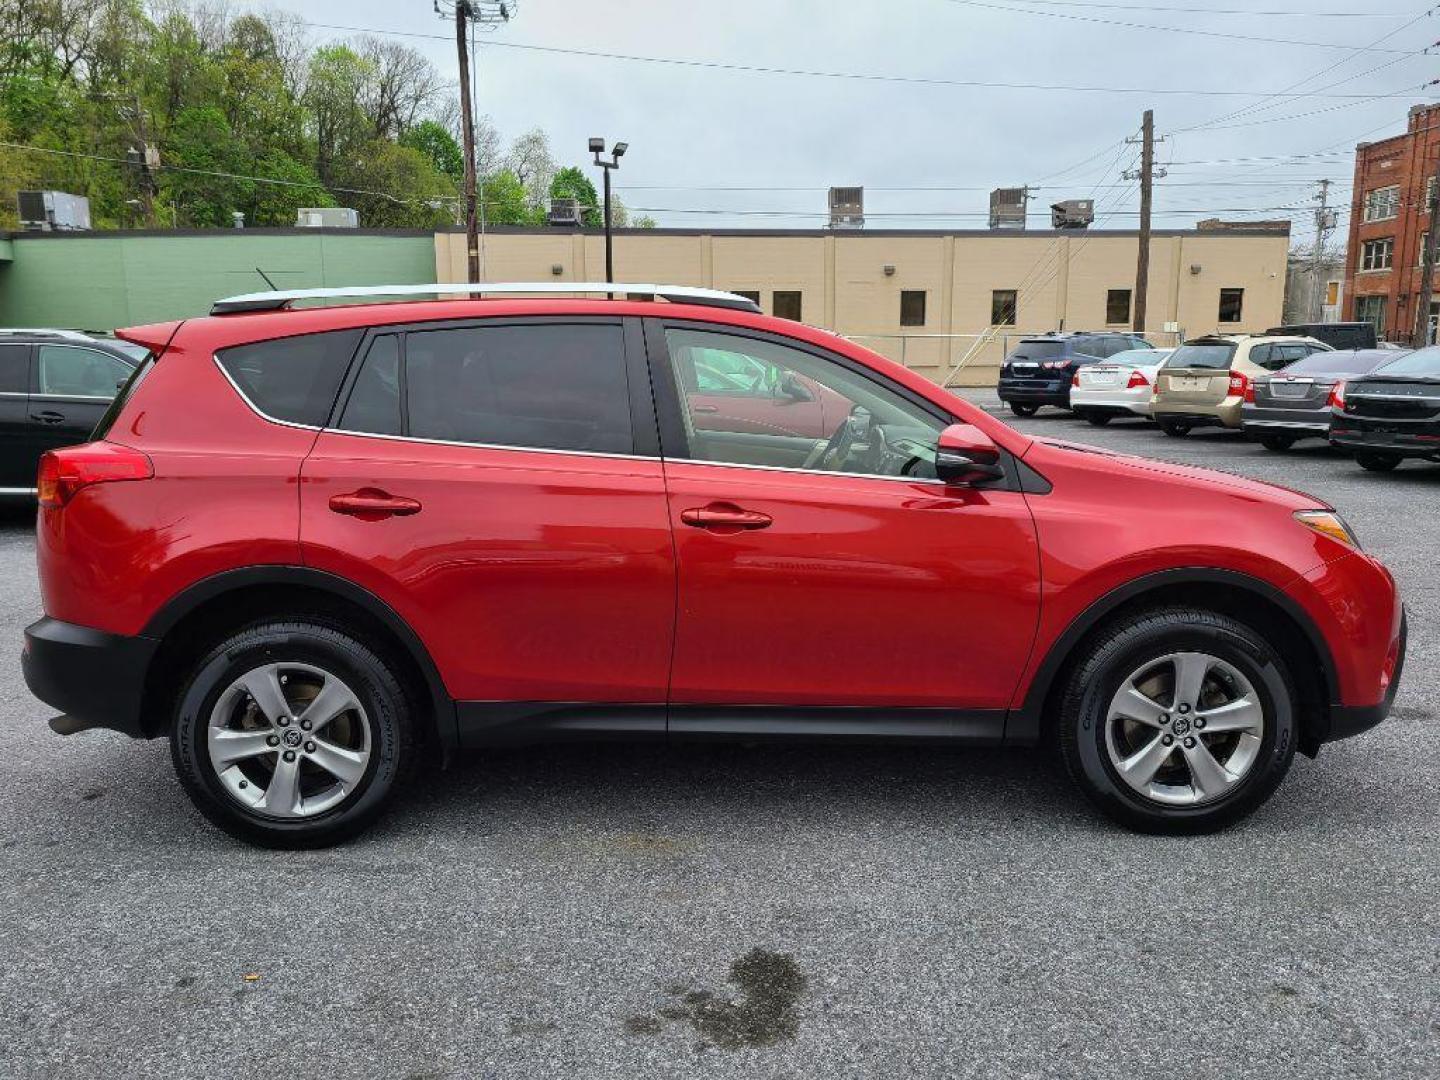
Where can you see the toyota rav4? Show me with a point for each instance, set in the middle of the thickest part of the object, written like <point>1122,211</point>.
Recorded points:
<point>310,545</point>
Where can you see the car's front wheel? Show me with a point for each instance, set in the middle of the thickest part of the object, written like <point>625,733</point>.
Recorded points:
<point>292,733</point>
<point>1020,408</point>
<point>1178,720</point>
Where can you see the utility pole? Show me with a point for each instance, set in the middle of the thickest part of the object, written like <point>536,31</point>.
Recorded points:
<point>465,13</point>
<point>1147,175</point>
<point>1421,337</point>
<point>1324,221</point>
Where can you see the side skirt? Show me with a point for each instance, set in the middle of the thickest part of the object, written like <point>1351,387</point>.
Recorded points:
<point>498,723</point>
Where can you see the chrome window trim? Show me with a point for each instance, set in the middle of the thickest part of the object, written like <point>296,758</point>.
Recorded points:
<point>17,491</point>
<point>808,472</point>
<point>13,393</point>
<point>255,408</point>
<point>71,397</point>
<point>485,446</point>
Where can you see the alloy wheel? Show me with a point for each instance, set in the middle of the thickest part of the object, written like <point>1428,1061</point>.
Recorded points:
<point>289,740</point>
<point>1184,729</point>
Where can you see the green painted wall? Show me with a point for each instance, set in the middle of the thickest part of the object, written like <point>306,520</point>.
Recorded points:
<point>103,281</point>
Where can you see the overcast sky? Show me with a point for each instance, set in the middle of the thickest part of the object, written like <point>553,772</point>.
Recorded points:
<point>693,129</point>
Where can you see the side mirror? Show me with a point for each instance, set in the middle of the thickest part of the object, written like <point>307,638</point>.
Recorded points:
<point>792,389</point>
<point>965,455</point>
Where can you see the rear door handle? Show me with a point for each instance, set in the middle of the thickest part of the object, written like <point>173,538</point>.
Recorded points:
<point>705,408</point>
<point>725,517</point>
<point>372,504</point>
<point>49,416</point>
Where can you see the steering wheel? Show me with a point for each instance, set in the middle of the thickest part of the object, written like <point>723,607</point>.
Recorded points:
<point>828,454</point>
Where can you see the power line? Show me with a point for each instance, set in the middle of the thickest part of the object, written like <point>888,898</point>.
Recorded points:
<point>1192,10</point>
<point>1179,29</point>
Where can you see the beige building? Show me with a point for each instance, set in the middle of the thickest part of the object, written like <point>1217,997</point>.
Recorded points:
<point>933,300</point>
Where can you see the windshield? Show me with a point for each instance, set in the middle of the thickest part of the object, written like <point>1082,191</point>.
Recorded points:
<point>1352,362</point>
<point>1217,354</point>
<point>1423,362</point>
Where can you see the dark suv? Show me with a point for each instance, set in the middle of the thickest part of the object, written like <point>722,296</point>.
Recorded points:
<point>54,387</point>
<point>1038,371</point>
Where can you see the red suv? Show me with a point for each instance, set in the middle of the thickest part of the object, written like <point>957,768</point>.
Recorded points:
<point>307,544</point>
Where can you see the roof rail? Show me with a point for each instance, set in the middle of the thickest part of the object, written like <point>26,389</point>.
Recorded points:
<point>69,335</point>
<point>675,294</point>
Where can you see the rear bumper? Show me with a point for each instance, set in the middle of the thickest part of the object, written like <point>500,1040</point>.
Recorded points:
<point>1352,434</point>
<point>1116,402</point>
<point>96,679</point>
<point>1037,393</point>
<point>1225,414</point>
<point>1267,421</point>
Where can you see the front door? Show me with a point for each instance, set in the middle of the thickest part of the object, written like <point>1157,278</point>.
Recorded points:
<point>498,485</point>
<point>842,574</point>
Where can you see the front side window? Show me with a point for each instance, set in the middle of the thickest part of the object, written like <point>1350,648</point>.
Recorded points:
<point>546,387</point>
<point>69,371</point>
<point>1117,307</point>
<point>1382,203</point>
<point>1003,304</point>
<point>795,409</point>
<point>1232,303</point>
<point>1377,254</point>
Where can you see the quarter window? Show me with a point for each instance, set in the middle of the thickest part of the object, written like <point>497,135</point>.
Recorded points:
<point>1377,254</point>
<point>292,379</point>
<point>1117,307</point>
<point>1232,305</point>
<point>551,387</point>
<point>1002,307</point>
<point>1382,203</point>
<point>912,307</point>
<point>14,369</point>
<point>68,371</point>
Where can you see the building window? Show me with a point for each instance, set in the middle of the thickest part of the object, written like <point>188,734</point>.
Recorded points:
<point>1371,309</point>
<point>1002,307</point>
<point>785,305</point>
<point>912,307</point>
<point>1332,293</point>
<point>1429,195</point>
<point>1377,254</point>
<point>1420,249</point>
<point>1382,203</point>
<point>1232,303</point>
<point>753,295</point>
<point>1117,307</point>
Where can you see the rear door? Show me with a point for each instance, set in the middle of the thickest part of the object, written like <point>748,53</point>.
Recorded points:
<point>71,387</point>
<point>17,456</point>
<point>498,483</point>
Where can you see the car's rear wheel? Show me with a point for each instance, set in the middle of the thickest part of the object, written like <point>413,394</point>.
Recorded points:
<point>1174,428</point>
<point>1277,442</point>
<point>292,734</point>
<point>1020,408</point>
<point>1099,419</point>
<point>1178,720</point>
<point>1377,462</point>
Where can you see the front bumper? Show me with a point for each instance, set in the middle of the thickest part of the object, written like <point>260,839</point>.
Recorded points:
<point>96,679</point>
<point>1348,720</point>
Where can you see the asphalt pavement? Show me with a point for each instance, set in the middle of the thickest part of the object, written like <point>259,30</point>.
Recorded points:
<point>718,911</point>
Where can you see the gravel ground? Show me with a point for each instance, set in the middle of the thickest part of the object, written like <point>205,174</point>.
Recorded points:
<point>732,912</point>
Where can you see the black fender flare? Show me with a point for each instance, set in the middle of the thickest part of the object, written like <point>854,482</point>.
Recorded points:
<point>205,590</point>
<point>1023,726</point>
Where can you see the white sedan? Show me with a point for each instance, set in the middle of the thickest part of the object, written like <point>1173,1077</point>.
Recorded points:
<point>1119,386</point>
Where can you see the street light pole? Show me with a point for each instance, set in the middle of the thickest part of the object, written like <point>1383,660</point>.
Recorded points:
<point>597,147</point>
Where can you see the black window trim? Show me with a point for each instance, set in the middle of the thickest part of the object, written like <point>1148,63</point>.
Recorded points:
<point>637,378</point>
<point>36,395</point>
<point>29,348</point>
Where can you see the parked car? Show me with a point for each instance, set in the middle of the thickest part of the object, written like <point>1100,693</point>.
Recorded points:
<point>1120,386</point>
<point>1203,382</point>
<point>307,543</point>
<point>1295,402</point>
<point>1039,370</point>
<point>1392,414</point>
<point>1338,335</point>
<point>54,387</point>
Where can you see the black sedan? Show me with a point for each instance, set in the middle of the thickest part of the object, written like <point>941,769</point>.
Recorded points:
<point>1295,402</point>
<point>1392,414</point>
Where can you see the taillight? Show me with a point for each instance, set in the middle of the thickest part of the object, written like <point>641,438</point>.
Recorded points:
<point>1336,400</point>
<point>1249,392</point>
<point>1137,380</point>
<point>64,472</point>
<point>1055,365</point>
<point>1075,379</point>
<point>1239,384</point>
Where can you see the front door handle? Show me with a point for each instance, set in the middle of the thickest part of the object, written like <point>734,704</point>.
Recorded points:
<point>49,416</point>
<point>725,517</point>
<point>372,504</point>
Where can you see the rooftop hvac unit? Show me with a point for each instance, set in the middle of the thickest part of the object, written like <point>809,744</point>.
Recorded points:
<point>53,211</point>
<point>1072,214</point>
<point>327,217</point>
<point>565,212</point>
<point>1007,207</point>
<point>847,208</point>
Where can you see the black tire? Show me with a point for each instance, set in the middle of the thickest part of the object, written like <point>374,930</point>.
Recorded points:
<point>1127,645</point>
<point>1099,419</point>
<point>1377,462</point>
<point>1174,429</point>
<point>1020,408</point>
<point>389,717</point>
<point>1277,442</point>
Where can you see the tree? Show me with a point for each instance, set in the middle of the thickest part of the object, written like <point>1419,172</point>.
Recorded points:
<point>393,186</point>
<point>505,201</point>
<point>400,86</point>
<point>275,204</point>
<point>333,89</point>
<point>571,183</point>
<point>200,149</point>
<point>644,221</point>
<point>533,165</point>
<point>439,147</point>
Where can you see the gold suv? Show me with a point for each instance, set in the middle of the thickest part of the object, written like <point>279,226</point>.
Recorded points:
<point>1203,383</point>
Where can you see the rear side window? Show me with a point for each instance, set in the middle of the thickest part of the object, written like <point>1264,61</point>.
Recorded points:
<point>71,371</point>
<point>292,379</point>
<point>550,387</point>
<point>374,404</point>
<point>14,368</point>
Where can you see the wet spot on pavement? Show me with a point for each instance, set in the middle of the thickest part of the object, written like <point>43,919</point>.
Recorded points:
<point>765,1012</point>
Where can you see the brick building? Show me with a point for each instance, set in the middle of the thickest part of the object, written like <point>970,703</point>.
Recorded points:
<point>1388,222</point>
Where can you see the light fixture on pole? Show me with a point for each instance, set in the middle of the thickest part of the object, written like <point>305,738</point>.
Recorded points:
<point>597,147</point>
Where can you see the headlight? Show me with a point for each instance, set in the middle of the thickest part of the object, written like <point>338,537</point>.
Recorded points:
<point>1328,523</point>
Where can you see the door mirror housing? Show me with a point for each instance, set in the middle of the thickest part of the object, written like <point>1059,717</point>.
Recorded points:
<point>790,388</point>
<point>965,455</point>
